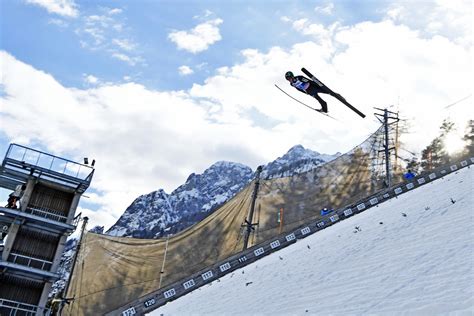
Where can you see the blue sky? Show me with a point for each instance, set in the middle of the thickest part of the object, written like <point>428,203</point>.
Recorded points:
<point>156,90</point>
<point>60,45</point>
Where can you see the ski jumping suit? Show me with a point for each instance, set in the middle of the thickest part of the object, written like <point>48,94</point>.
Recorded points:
<point>308,86</point>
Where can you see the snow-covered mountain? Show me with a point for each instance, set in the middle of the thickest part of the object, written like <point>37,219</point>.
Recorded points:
<point>150,214</point>
<point>297,160</point>
<point>158,213</point>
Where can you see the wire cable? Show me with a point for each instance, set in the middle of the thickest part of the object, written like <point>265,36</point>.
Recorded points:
<point>459,101</point>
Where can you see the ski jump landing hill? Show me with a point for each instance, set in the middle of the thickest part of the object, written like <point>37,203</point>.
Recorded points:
<point>412,255</point>
<point>160,297</point>
<point>126,276</point>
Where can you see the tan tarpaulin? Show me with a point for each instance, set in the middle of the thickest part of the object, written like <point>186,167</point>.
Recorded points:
<point>112,271</point>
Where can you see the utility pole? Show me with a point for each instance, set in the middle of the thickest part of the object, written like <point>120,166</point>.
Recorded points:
<point>397,145</point>
<point>248,221</point>
<point>64,299</point>
<point>386,117</point>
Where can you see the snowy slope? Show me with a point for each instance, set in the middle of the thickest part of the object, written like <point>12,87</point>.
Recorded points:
<point>418,264</point>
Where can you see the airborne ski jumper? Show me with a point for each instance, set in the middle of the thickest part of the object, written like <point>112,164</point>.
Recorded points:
<point>305,85</point>
<point>313,86</point>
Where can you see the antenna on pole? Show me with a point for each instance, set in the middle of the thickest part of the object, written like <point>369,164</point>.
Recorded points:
<point>248,221</point>
<point>387,118</point>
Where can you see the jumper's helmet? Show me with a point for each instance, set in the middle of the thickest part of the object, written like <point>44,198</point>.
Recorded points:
<point>289,75</point>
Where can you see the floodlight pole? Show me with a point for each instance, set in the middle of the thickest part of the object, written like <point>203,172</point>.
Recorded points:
<point>386,150</point>
<point>248,221</point>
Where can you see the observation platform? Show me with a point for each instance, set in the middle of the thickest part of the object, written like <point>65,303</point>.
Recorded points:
<point>40,219</point>
<point>21,162</point>
<point>35,228</point>
<point>29,267</point>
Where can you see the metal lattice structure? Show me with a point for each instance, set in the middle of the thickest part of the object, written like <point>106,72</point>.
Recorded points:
<point>37,229</point>
<point>385,159</point>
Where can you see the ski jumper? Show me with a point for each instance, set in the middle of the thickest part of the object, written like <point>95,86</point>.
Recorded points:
<point>307,86</point>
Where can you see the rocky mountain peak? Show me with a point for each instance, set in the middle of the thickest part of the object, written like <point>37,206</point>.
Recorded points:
<point>150,214</point>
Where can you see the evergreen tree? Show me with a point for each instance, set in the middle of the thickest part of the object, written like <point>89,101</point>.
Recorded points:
<point>435,155</point>
<point>446,127</point>
<point>469,138</point>
<point>413,165</point>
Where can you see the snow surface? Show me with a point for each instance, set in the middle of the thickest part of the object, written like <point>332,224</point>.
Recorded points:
<point>418,264</point>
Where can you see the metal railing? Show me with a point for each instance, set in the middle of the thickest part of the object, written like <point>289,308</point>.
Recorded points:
<point>50,162</point>
<point>14,308</point>
<point>22,163</point>
<point>30,261</point>
<point>46,213</point>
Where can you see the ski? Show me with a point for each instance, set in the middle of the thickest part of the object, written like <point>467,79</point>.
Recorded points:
<point>332,93</point>
<point>310,107</point>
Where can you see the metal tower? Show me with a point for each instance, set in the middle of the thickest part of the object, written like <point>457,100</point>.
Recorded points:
<point>37,229</point>
<point>388,120</point>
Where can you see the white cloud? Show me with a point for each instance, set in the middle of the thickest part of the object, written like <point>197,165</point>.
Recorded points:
<point>90,79</point>
<point>122,57</point>
<point>103,31</point>
<point>122,127</point>
<point>58,22</point>
<point>326,9</point>
<point>371,64</point>
<point>142,139</point>
<point>67,8</point>
<point>199,38</point>
<point>299,25</point>
<point>96,34</point>
<point>185,70</point>
<point>395,12</point>
<point>448,18</point>
<point>323,34</point>
<point>132,61</point>
<point>201,66</point>
<point>115,11</point>
<point>207,13</point>
<point>106,33</point>
<point>124,44</point>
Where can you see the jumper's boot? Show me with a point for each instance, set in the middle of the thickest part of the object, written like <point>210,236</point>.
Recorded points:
<point>324,105</point>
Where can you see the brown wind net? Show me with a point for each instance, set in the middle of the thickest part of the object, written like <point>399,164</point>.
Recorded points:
<point>111,271</point>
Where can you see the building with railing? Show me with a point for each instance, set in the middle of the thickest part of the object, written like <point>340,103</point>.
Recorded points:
<point>36,229</point>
